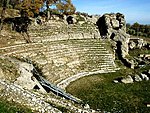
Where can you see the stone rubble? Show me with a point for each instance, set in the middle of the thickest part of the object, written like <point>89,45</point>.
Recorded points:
<point>38,102</point>
<point>144,77</point>
<point>137,78</point>
<point>133,78</point>
<point>127,80</point>
<point>27,98</point>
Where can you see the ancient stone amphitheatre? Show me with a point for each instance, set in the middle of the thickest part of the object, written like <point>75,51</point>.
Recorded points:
<point>36,74</point>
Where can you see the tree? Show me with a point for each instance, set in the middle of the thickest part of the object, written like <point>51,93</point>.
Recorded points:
<point>4,4</point>
<point>48,3</point>
<point>66,7</point>
<point>128,25</point>
<point>138,29</point>
<point>32,7</point>
<point>14,3</point>
<point>135,26</point>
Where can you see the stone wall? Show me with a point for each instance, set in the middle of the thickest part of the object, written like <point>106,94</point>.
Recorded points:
<point>53,31</point>
<point>113,26</point>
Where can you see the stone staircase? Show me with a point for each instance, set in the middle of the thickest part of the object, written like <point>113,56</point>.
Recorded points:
<point>54,30</point>
<point>61,59</point>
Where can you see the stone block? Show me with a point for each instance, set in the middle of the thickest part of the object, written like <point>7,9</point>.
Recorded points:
<point>127,80</point>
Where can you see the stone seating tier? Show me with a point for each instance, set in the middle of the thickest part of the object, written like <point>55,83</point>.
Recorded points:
<point>59,60</point>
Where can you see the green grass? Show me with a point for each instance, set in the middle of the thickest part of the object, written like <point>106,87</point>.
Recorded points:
<point>136,52</point>
<point>101,93</point>
<point>10,107</point>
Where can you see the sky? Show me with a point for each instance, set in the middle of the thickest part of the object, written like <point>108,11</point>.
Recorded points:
<point>134,10</point>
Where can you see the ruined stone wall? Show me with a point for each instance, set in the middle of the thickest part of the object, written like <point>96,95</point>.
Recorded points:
<point>113,26</point>
<point>53,31</point>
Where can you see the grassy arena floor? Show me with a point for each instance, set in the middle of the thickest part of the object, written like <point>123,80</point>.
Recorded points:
<point>101,93</point>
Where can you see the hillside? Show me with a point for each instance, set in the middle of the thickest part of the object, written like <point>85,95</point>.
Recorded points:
<point>60,53</point>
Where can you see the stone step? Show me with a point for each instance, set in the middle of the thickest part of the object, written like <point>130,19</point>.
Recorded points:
<point>55,48</point>
<point>60,46</point>
<point>64,52</point>
<point>65,57</point>
<point>26,46</point>
<point>20,47</point>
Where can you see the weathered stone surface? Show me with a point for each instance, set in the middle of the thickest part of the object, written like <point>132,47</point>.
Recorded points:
<point>93,19</point>
<point>144,77</point>
<point>115,81</point>
<point>41,61</point>
<point>38,102</point>
<point>147,56</point>
<point>113,26</point>
<point>137,78</point>
<point>35,101</point>
<point>132,45</point>
<point>131,64</point>
<point>127,80</point>
<point>1,77</point>
<point>1,73</point>
<point>140,43</point>
<point>109,23</point>
<point>86,106</point>
<point>25,76</point>
<point>149,72</point>
<point>71,19</point>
